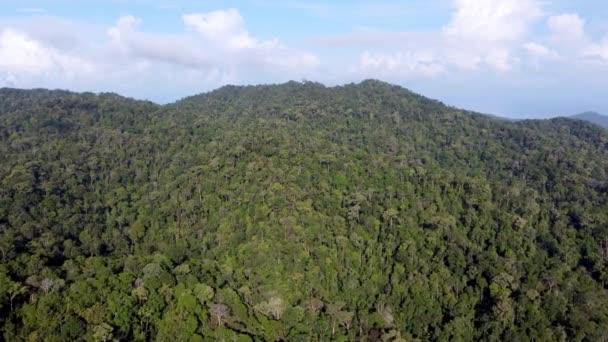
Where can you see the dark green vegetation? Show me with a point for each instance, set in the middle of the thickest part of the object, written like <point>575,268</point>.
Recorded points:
<point>297,212</point>
<point>593,117</point>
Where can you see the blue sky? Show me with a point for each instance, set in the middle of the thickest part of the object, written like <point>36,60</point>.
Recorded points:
<point>516,58</point>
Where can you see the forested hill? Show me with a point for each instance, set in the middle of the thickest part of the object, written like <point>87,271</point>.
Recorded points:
<point>593,117</point>
<point>297,212</point>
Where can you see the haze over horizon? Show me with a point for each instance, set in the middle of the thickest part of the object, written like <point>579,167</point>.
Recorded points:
<point>513,58</point>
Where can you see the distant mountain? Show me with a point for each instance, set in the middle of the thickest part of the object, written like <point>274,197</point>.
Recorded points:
<point>593,117</point>
<point>502,118</point>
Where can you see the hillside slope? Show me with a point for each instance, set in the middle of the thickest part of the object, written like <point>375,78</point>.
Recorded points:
<point>593,117</point>
<point>297,212</point>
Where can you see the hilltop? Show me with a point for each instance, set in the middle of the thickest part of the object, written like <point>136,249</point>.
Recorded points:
<point>297,212</point>
<point>593,117</point>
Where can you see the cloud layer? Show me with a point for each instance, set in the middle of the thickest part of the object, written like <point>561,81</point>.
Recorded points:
<point>215,48</point>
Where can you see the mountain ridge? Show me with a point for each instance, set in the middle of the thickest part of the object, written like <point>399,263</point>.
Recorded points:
<point>298,212</point>
<point>309,87</point>
<point>593,117</point>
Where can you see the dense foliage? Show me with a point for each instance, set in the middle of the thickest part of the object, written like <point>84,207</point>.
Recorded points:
<point>297,212</point>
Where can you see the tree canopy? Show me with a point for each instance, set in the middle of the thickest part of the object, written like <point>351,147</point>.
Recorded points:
<point>297,212</point>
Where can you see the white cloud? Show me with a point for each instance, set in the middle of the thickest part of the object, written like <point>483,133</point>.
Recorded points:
<point>218,39</point>
<point>485,32</point>
<point>597,51</point>
<point>491,20</point>
<point>403,64</point>
<point>225,28</point>
<point>21,55</point>
<point>225,31</point>
<point>568,27</point>
<point>568,34</point>
<point>539,50</point>
<point>134,45</point>
<point>500,59</point>
<point>24,57</point>
<point>215,48</point>
<point>480,34</point>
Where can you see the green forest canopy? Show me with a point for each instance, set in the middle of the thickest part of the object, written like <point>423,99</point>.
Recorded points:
<point>297,212</point>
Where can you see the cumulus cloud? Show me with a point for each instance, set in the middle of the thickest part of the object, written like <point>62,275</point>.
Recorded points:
<point>22,57</point>
<point>568,34</point>
<point>485,32</point>
<point>225,31</point>
<point>224,28</point>
<point>216,39</point>
<point>479,34</point>
<point>133,45</point>
<point>539,50</point>
<point>213,49</point>
<point>597,51</point>
<point>491,21</point>
<point>405,64</point>
<point>568,27</point>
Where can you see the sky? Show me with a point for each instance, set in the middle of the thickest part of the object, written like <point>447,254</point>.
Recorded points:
<point>513,58</point>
